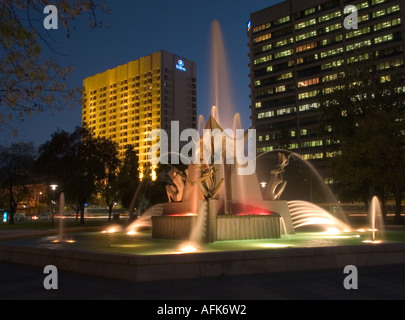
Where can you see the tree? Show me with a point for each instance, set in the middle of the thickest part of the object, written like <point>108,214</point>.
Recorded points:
<point>16,162</point>
<point>128,179</point>
<point>367,115</point>
<point>156,190</point>
<point>79,163</point>
<point>30,83</point>
<point>108,186</point>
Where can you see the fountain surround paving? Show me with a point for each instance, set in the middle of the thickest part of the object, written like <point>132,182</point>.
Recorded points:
<point>177,266</point>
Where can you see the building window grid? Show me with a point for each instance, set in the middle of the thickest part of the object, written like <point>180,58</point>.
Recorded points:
<point>336,63</point>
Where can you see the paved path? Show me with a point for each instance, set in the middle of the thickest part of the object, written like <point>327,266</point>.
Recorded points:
<point>19,282</point>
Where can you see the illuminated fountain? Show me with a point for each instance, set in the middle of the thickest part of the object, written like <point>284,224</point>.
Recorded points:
<point>213,209</point>
<point>210,202</point>
<point>376,222</point>
<point>61,211</point>
<point>214,202</point>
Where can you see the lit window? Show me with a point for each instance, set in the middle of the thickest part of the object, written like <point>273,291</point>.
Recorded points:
<point>306,47</point>
<point>262,38</point>
<point>307,83</point>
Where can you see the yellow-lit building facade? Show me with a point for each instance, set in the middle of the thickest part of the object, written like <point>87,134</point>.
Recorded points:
<point>126,103</point>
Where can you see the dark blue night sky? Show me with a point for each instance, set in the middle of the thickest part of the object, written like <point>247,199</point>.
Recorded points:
<point>139,28</point>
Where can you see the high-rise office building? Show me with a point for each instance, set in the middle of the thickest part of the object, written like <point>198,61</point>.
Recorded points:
<point>126,103</point>
<point>296,49</point>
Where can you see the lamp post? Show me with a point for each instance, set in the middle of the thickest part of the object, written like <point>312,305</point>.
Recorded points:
<point>53,188</point>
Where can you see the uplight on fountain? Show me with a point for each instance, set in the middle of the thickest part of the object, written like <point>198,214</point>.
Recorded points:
<point>188,248</point>
<point>113,229</point>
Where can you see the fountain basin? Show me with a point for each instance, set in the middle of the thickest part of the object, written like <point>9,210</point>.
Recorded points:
<point>216,260</point>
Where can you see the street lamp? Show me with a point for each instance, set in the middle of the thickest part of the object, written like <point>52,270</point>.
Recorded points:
<point>53,188</point>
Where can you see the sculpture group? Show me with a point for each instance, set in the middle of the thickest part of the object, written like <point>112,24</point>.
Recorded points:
<point>210,186</point>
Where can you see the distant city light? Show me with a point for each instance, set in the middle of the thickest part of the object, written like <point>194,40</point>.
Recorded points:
<point>5,217</point>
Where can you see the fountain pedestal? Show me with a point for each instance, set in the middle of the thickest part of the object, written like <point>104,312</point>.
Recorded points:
<point>181,222</point>
<point>220,201</point>
<point>230,227</point>
<point>281,208</point>
<point>211,224</point>
<point>210,209</point>
<point>172,228</point>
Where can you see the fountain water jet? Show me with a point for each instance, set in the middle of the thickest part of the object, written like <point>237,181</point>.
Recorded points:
<point>61,212</point>
<point>201,125</point>
<point>326,191</point>
<point>62,215</point>
<point>376,222</point>
<point>306,214</point>
<point>145,220</point>
<point>220,78</point>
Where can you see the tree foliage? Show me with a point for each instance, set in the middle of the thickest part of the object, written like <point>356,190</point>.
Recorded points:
<point>128,178</point>
<point>367,115</point>
<point>29,82</point>
<point>79,163</point>
<point>16,162</point>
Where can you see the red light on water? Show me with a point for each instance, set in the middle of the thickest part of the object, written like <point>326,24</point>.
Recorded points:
<point>183,215</point>
<point>263,214</point>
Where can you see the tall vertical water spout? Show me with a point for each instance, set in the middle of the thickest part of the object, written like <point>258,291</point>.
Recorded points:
<point>376,221</point>
<point>61,215</point>
<point>221,92</point>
